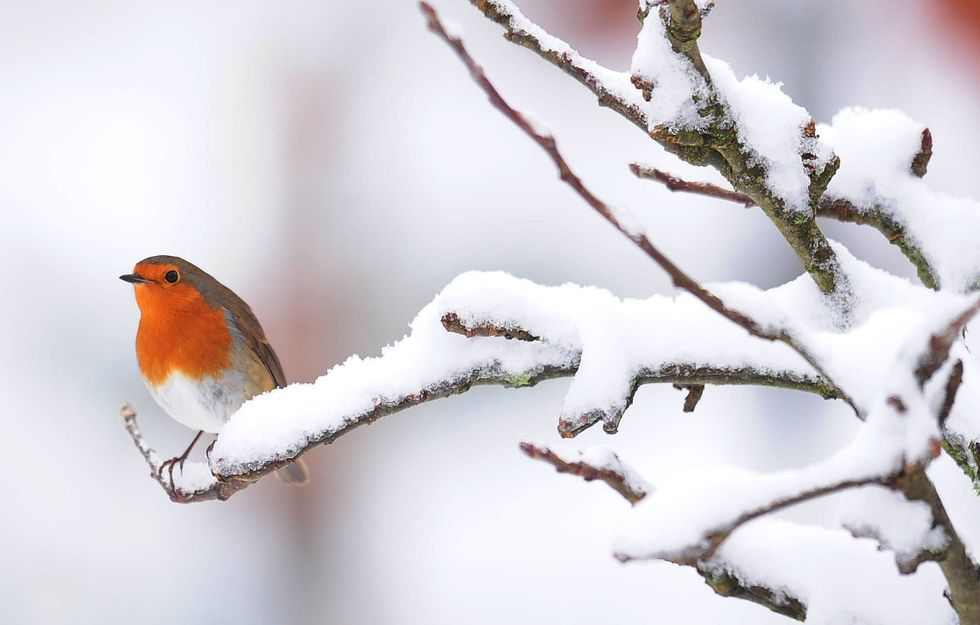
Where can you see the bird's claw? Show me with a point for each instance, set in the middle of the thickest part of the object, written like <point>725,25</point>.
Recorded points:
<point>168,465</point>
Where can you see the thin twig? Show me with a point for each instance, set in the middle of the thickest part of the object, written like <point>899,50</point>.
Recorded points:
<point>618,477</point>
<point>679,184</point>
<point>694,393</point>
<point>949,397</point>
<point>214,490</point>
<point>585,71</point>
<point>940,343</point>
<point>677,276</point>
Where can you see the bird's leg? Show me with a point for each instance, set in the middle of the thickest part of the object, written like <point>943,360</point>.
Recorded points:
<point>179,460</point>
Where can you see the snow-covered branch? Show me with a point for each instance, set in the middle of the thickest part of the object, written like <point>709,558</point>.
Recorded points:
<point>593,463</point>
<point>613,89</point>
<point>889,349</point>
<point>882,218</point>
<point>773,329</point>
<point>697,109</point>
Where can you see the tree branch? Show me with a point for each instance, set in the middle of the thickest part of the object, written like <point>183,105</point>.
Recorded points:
<point>610,470</point>
<point>836,208</point>
<point>678,277</point>
<point>718,146</point>
<point>701,188</point>
<point>598,79</point>
<point>962,574</point>
<point>534,362</point>
<point>893,230</point>
<point>940,344</point>
<point>633,488</point>
<point>201,486</point>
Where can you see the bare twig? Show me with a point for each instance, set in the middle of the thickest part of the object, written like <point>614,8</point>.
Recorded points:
<point>694,393</point>
<point>212,490</point>
<point>949,398</point>
<point>940,343</point>
<point>920,162</point>
<point>679,184</point>
<point>617,476</point>
<point>678,277</point>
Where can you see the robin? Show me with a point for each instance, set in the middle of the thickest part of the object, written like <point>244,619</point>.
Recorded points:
<point>201,350</point>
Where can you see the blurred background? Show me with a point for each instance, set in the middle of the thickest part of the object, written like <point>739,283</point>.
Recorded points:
<point>334,165</point>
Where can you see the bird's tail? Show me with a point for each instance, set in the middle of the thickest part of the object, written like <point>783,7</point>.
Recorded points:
<point>294,473</point>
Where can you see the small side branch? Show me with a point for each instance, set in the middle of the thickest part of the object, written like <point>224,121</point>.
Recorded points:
<point>920,162</point>
<point>941,342</point>
<point>679,184</point>
<point>830,207</point>
<point>597,79</point>
<point>611,470</point>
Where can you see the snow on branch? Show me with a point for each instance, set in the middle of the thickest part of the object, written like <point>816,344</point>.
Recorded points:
<point>775,330</point>
<point>460,340</point>
<point>593,463</point>
<point>830,207</point>
<point>884,156</point>
<point>904,527</point>
<point>783,566</point>
<point>613,89</point>
<point>697,109</point>
<point>687,520</point>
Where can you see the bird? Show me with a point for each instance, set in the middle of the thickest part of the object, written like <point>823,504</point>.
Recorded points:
<point>201,351</point>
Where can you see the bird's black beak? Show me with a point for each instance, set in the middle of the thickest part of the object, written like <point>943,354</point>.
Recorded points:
<point>134,278</point>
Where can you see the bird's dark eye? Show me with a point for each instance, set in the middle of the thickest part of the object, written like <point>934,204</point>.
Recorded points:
<point>171,276</point>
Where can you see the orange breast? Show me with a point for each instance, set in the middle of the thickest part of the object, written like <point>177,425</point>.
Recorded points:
<point>180,332</point>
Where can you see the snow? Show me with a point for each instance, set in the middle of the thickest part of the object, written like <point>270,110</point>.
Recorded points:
<point>770,127</point>
<point>191,478</point>
<point>601,457</point>
<point>904,527</point>
<point>838,578</point>
<point>617,83</point>
<point>611,341</point>
<point>876,148</point>
<point>674,79</point>
<point>674,523</point>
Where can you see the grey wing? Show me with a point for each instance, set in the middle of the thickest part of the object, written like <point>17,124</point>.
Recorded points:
<point>251,331</point>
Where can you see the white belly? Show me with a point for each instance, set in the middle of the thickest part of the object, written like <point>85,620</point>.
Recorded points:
<point>202,404</point>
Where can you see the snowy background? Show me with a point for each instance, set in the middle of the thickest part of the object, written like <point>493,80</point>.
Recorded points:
<point>335,166</point>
